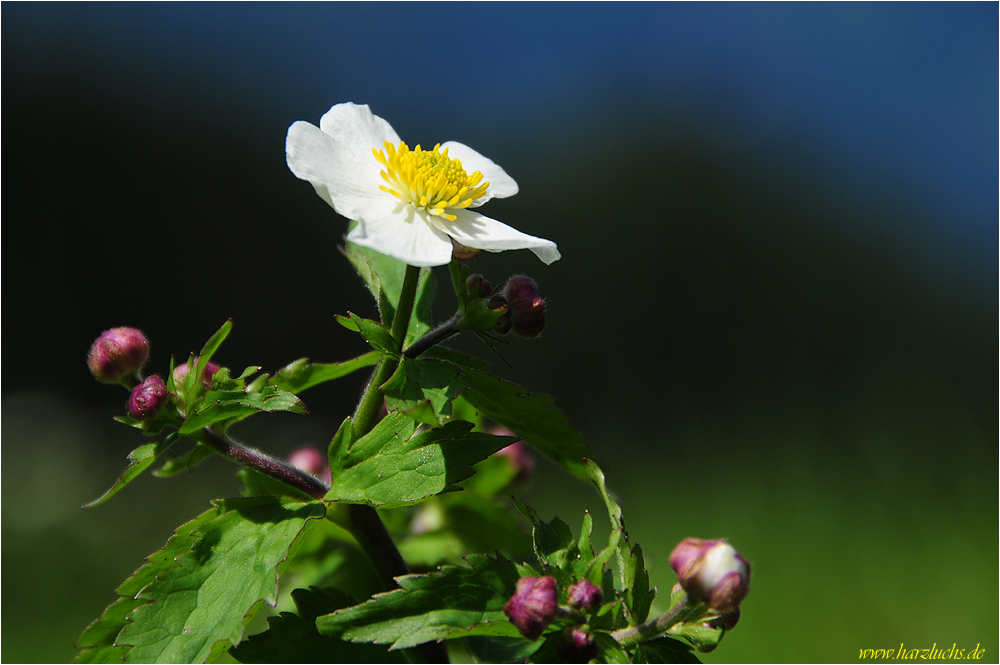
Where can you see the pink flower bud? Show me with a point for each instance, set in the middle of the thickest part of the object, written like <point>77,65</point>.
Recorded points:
<point>527,309</point>
<point>585,596</point>
<point>577,646</point>
<point>533,605</point>
<point>311,461</point>
<point>117,354</point>
<point>712,572</point>
<point>180,371</point>
<point>147,398</point>
<point>478,286</point>
<point>518,454</point>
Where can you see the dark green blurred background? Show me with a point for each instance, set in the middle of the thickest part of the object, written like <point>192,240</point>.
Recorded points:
<point>775,319</point>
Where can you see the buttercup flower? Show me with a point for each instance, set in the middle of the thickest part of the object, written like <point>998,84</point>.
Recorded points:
<point>408,203</point>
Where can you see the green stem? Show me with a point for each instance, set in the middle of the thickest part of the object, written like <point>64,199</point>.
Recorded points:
<point>629,637</point>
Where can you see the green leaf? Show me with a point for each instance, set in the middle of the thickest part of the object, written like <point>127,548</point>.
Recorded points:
<point>609,650</point>
<point>424,389</point>
<point>139,459</point>
<point>301,374</point>
<point>451,602</point>
<point>198,608</point>
<point>390,466</point>
<point>373,332</point>
<point>531,416</point>
<point>384,277</point>
<point>220,405</point>
<point>192,458</point>
<point>556,549</point>
<point>256,483</point>
<point>293,638</point>
<point>98,641</point>
<point>665,650</point>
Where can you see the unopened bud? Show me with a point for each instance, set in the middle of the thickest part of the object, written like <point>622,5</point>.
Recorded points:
<point>478,286</point>
<point>181,371</point>
<point>585,596</point>
<point>527,309</point>
<point>147,398</point>
<point>118,354</point>
<point>311,461</point>
<point>712,572</point>
<point>497,301</point>
<point>577,646</point>
<point>533,605</point>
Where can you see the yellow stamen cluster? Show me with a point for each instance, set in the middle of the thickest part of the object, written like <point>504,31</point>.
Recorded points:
<point>429,178</point>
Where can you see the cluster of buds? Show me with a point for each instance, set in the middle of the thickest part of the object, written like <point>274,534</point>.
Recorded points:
<point>525,308</point>
<point>535,605</point>
<point>714,573</point>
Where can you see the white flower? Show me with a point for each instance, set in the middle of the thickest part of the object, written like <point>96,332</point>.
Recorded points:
<point>409,203</point>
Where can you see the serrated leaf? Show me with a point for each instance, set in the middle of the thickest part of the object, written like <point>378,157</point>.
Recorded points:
<point>98,641</point>
<point>384,277</point>
<point>140,459</point>
<point>531,416</point>
<point>199,608</point>
<point>555,548</point>
<point>301,374</point>
<point>373,332</point>
<point>391,466</point>
<point>424,389</point>
<point>293,638</point>
<point>452,602</point>
<point>220,405</point>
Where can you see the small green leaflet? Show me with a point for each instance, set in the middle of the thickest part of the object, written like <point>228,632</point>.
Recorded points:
<point>301,374</point>
<point>424,389</point>
<point>373,332</point>
<point>232,405</point>
<point>293,638</point>
<point>196,595</point>
<point>451,602</point>
<point>139,459</point>
<point>391,466</point>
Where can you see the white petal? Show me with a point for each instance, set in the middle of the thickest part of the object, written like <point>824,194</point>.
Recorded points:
<point>343,178</point>
<point>501,184</point>
<point>398,230</point>
<point>474,230</point>
<point>357,128</point>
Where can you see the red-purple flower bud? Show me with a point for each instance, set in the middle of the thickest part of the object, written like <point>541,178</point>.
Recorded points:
<point>577,646</point>
<point>585,596</point>
<point>533,605</point>
<point>478,286</point>
<point>147,398</point>
<point>118,353</point>
<point>527,309</point>
<point>712,572</point>
<point>311,461</point>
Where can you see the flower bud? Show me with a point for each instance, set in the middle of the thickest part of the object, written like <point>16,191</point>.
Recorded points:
<point>577,646</point>
<point>585,596</point>
<point>117,354</point>
<point>527,309</point>
<point>497,301</point>
<point>180,371</point>
<point>533,605</point>
<point>312,461</point>
<point>478,286</point>
<point>712,572</point>
<point>147,398</point>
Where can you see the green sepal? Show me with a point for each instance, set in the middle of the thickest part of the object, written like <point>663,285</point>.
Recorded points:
<point>424,390</point>
<point>300,374</point>
<point>140,459</point>
<point>233,566</point>
<point>451,602</point>
<point>293,638</point>
<point>391,466</point>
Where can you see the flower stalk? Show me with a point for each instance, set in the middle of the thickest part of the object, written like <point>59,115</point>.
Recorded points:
<point>633,635</point>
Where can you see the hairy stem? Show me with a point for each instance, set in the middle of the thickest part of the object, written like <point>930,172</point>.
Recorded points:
<point>628,637</point>
<point>436,336</point>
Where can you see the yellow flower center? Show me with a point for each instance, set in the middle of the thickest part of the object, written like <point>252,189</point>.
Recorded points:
<point>428,179</point>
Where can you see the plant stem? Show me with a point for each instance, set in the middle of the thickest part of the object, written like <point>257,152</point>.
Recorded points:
<point>628,637</point>
<point>436,336</point>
